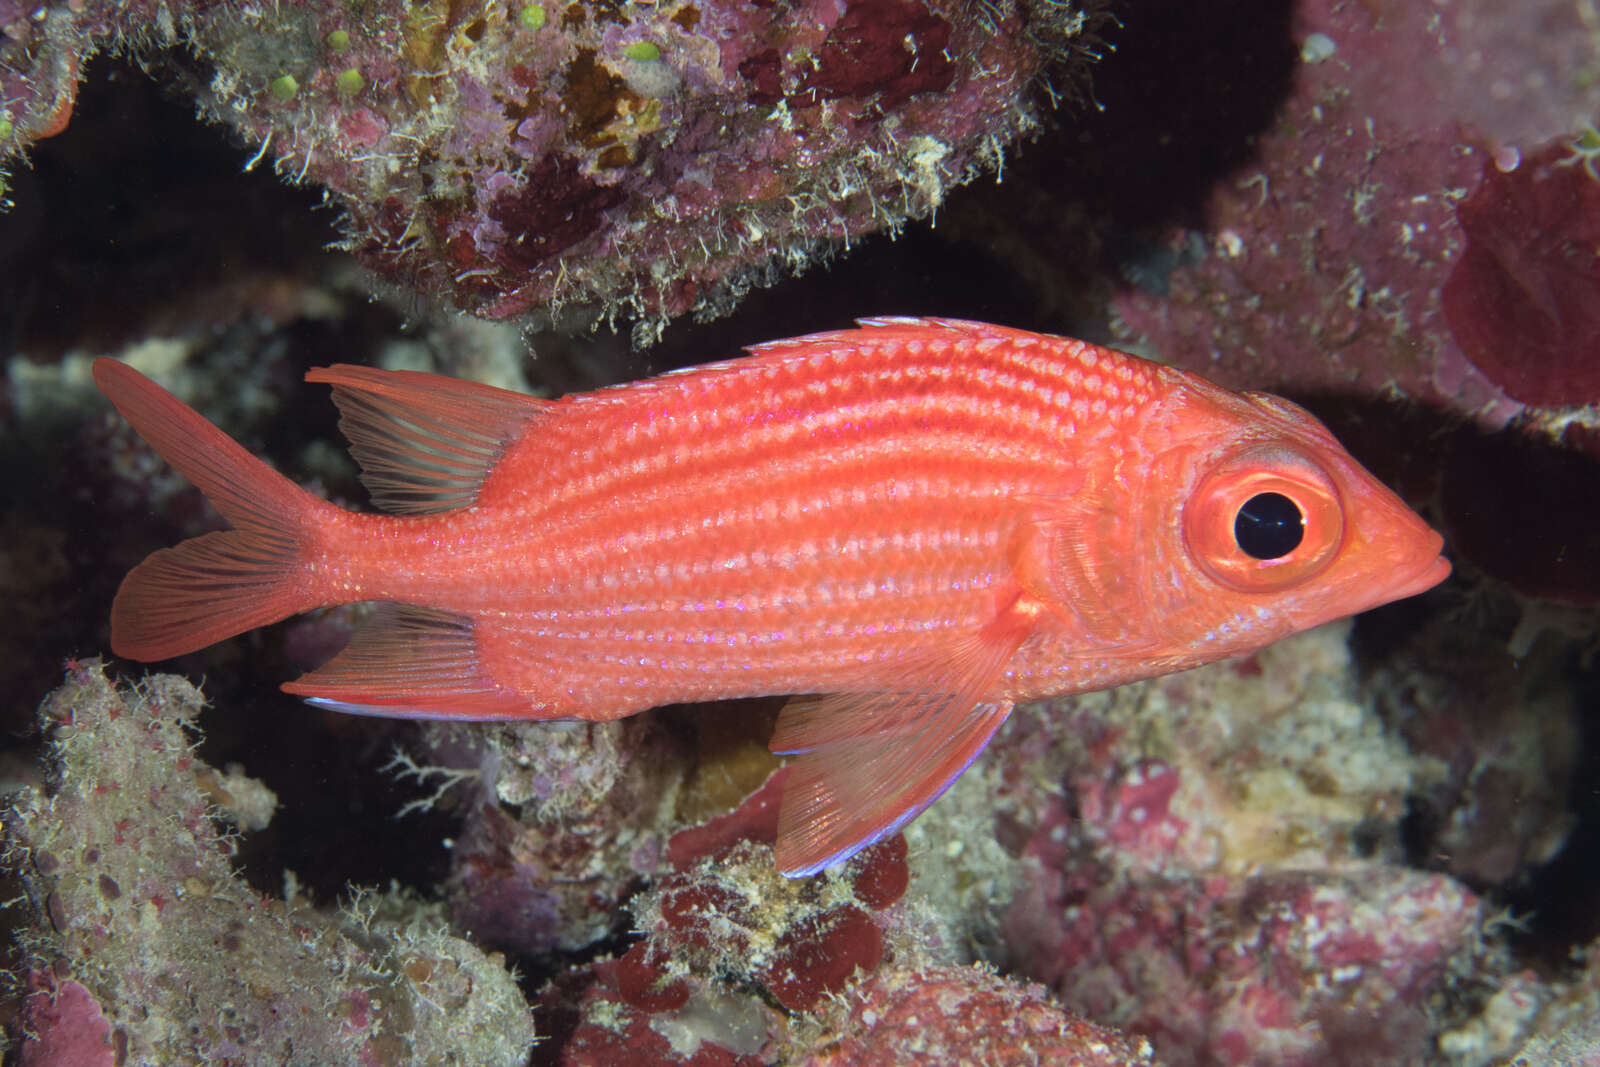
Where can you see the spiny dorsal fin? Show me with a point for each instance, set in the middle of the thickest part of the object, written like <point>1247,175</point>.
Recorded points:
<point>425,442</point>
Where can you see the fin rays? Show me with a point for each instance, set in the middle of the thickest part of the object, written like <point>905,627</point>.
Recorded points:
<point>205,590</point>
<point>844,797</point>
<point>220,584</point>
<point>411,662</point>
<point>870,762</point>
<point>425,443</point>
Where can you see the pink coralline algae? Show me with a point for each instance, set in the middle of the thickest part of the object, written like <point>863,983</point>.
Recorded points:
<point>1131,810</point>
<point>1524,298</point>
<point>629,157</point>
<point>1322,260</point>
<point>962,1015</point>
<point>1279,969</point>
<point>65,1027</point>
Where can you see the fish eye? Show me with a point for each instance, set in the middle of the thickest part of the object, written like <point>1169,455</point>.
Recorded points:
<point>1263,520</point>
<point>1269,526</point>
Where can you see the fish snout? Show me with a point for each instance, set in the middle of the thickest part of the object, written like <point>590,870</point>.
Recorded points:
<point>1399,554</point>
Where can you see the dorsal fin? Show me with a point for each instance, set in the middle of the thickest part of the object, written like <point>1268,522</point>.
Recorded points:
<point>425,442</point>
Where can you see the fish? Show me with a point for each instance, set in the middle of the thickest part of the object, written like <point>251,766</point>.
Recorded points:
<point>909,526</point>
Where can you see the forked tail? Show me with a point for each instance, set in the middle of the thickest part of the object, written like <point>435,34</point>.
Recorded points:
<point>219,584</point>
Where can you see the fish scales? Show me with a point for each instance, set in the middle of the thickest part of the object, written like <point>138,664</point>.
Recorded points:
<point>925,520</point>
<point>659,513</point>
<point>641,434</point>
<point>659,526</point>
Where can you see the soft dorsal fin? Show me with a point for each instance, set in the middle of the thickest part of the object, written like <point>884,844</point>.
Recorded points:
<point>425,442</point>
<point>871,762</point>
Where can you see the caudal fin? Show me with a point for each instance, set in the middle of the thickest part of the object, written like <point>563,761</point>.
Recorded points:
<point>220,584</point>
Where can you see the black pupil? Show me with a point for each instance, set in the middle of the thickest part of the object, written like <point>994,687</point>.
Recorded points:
<point>1269,526</point>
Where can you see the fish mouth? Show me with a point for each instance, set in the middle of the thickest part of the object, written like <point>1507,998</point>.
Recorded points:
<point>1430,576</point>
<point>1435,570</point>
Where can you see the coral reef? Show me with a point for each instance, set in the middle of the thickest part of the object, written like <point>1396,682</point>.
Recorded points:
<point>1527,1022</point>
<point>902,1014</point>
<point>1363,846</point>
<point>965,1015</point>
<point>638,158</point>
<point>1214,861</point>
<point>1294,969</point>
<point>741,966</point>
<point>565,821</point>
<point>1323,257</point>
<point>799,940</point>
<point>1271,762</point>
<point>136,918</point>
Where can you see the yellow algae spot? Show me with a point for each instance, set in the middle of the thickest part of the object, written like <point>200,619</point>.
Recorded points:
<point>640,118</point>
<point>595,99</point>
<point>6,128</point>
<point>349,82</point>
<point>284,87</point>
<point>423,40</point>
<point>423,36</point>
<point>531,16</point>
<point>338,41</point>
<point>733,761</point>
<point>1585,150</point>
<point>642,51</point>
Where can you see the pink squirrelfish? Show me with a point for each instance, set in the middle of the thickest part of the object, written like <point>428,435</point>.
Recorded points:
<point>922,520</point>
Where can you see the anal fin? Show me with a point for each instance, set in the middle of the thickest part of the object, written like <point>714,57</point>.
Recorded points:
<point>412,662</point>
